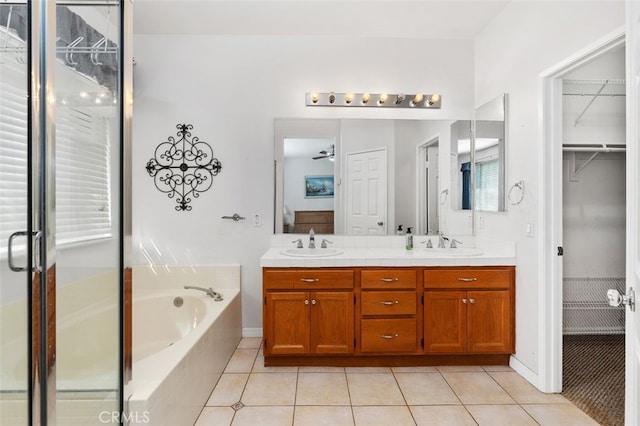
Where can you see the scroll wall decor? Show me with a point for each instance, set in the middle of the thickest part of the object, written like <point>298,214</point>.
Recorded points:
<point>183,168</point>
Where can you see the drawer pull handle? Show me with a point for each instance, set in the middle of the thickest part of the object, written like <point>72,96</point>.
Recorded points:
<point>389,302</point>
<point>389,336</point>
<point>309,280</point>
<point>467,280</point>
<point>388,280</point>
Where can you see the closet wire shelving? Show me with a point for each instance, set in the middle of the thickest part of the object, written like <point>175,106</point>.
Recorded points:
<point>585,307</point>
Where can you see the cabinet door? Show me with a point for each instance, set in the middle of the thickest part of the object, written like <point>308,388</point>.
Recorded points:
<point>332,322</point>
<point>445,321</point>
<point>489,322</point>
<point>287,323</point>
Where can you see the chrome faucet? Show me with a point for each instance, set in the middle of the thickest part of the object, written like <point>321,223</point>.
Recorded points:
<point>454,243</point>
<point>312,239</point>
<point>209,291</point>
<point>325,242</point>
<point>441,240</point>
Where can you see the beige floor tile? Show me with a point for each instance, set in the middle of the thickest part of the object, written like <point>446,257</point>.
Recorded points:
<point>497,368</point>
<point>241,361</point>
<point>321,369</point>
<point>425,389</point>
<point>264,416</point>
<point>250,343</point>
<point>558,414</point>
<point>322,416</point>
<point>322,389</point>
<point>414,369</point>
<point>270,389</point>
<point>504,415</point>
<point>367,370</point>
<point>374,389</point>
<point>459,368</point>
<point>215,416</point>
<point>228,390</point>
<point>477,388</point>
<point>383,416</point>
<point>442,415</point>
<point>258,367</point>
<point>524,392</point>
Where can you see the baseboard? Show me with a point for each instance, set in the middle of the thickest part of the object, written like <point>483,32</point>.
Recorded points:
<point>252,332</point>
<point>524,371</point>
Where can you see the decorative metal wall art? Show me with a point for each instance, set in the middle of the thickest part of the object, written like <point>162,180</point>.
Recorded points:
<point>183,167</point>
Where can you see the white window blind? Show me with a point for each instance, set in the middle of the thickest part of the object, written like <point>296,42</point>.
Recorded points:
<point>486,185</point>
<point>13,160</point>
<point>82,164</point>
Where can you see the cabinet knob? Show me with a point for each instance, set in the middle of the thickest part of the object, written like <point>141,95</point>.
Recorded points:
<point>309,280</point>
<point>313,302</point>
<point>388,280</point>
<point>464,301</point>
<point>389,336</point>
<point>389,302</point>
<point>472,300</point>
<point>306,301</point>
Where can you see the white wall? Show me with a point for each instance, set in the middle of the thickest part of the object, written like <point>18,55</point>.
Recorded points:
<point>523,41</point>
<point>231,89</point>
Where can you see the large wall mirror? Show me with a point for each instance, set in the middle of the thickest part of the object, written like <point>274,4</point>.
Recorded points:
<point>360,176</point>
<point>489,155</point>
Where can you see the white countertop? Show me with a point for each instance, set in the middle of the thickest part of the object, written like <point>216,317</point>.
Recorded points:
<point>385,251</point>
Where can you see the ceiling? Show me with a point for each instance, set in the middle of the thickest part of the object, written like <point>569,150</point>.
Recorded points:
<point>440,19</point>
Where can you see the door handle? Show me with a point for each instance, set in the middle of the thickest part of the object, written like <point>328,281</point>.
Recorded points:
<point>380,223</point>
<point>12,237</point>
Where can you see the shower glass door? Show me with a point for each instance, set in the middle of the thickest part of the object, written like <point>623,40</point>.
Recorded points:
<point>61,235</point>
<point>14,206</point>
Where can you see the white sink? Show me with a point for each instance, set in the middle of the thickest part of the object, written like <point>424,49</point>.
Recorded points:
<point>311,252</point>
<point>455,252</point>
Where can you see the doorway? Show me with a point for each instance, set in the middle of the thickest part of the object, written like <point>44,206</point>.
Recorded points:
<point>428,188</point>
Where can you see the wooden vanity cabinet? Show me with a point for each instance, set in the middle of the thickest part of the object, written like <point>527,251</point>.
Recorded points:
<point>308,311</point>
<point>388,310</point>
<point>469,310</point>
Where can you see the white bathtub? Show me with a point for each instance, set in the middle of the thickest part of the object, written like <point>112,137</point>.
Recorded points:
<point>179,353</point>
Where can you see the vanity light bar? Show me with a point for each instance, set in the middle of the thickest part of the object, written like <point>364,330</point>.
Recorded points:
<point>378,100</point>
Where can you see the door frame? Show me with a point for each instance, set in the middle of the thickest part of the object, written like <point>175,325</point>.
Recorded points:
<point>421,213</point>
<point>550,209</point>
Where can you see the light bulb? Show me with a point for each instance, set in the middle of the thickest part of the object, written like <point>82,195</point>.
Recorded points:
<point>417,99</point>
<point>434,99</point>
<point>383,98</point>
<point>366,97</point>
<point>314,97</point>
<point>400,98</point>
<point>348,98</point>
<point>332,97</point>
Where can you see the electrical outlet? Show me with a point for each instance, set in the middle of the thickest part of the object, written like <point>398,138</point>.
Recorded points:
<point>257,220</point>
<point>529,229</point>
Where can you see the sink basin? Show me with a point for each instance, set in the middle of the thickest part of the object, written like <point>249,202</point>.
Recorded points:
<point>455,252</point>
<point>309,252</point>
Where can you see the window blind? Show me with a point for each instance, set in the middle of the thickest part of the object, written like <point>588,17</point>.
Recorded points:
<point>486,185</point>
<point>82,168</point>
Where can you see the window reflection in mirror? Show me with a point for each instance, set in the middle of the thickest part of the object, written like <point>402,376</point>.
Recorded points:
<point>489,156</point>
<point>461,165</point>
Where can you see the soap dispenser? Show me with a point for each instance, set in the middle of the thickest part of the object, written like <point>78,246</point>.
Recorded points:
<point>409,240</point>
<point>399,231</point>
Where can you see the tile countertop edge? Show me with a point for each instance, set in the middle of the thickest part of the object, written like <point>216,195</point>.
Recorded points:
<point>359,257</point>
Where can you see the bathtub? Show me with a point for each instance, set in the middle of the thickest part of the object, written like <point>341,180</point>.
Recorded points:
<point>180,352</point>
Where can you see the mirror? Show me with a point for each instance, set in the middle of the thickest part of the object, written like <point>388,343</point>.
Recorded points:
<point>360,176</point>
<point>460,157</point>
<point>489,156</point>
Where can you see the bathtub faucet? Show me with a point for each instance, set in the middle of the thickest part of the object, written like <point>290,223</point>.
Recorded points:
<point>209,291</point>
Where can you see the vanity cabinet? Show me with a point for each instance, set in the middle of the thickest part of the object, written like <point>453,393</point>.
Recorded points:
<point>308,311</point>
<point>388,310</point>
<point>469,310</point>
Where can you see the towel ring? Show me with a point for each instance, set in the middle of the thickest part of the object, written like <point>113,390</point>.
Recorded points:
<point>443,196</point>
<point>518,185</point>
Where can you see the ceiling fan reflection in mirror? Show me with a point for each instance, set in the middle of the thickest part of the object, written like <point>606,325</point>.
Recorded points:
<point>327,154</point>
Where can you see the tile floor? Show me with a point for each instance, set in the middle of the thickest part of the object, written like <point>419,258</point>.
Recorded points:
<point>250,394</point>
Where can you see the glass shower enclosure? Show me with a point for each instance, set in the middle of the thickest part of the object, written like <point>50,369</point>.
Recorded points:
<point>65,102</point>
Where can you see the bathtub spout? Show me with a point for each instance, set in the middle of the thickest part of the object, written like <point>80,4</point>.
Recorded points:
<point>209,291</point>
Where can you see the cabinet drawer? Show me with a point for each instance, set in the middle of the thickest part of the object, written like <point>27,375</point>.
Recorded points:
<point>388,278</point>
<point>388,303</point>
<point>388,335</point>
<point>308,279</point>
<point>485,277</point>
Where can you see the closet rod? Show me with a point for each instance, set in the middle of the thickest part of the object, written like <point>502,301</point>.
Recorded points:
<point>594,148</point>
